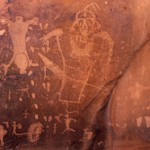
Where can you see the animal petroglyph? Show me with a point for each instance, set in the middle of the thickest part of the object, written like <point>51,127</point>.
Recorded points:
<point>18,31</point>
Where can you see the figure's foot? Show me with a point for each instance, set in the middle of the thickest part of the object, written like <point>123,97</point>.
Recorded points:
<point>23,72</point>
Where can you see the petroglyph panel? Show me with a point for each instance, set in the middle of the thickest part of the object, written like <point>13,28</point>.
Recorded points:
<point>59,63</point>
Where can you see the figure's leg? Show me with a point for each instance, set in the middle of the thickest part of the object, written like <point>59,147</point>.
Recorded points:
<point>5,66</point>
<point>64,131</point>
<point>72,130</point>
<point>2,142</point>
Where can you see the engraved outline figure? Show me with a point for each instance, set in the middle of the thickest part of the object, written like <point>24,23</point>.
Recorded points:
<point>85,29</point>
<point>86,21</point>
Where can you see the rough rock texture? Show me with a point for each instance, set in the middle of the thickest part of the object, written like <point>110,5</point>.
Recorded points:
<point>60,61</point>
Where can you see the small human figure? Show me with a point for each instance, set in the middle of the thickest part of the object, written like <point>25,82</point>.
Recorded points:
<point>15,127</point>
<point>54,128</point>
<point>18,31</point>
<point>26,114</point>
<point>3,132</point>
<point>58,118</point>
<point>68,122</point>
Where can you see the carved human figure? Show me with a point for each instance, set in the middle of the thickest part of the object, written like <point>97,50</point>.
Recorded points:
<point>3,132</point>
<point>54,128</point>
<point>18,31</point>
<point>26,113</point>
<point>15,127</point>
<point>67,123</point>
<point>58,118</point>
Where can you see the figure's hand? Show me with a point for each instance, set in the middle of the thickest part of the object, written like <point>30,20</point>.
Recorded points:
<point>44,40</point>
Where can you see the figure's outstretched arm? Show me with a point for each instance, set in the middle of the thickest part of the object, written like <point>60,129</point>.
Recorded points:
<point>56,33</point>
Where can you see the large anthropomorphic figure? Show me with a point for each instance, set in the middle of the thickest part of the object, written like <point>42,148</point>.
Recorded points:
<point>18,31</point>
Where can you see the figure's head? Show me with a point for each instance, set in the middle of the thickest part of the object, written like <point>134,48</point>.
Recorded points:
<point>85,21</point>
<point>19,18</point>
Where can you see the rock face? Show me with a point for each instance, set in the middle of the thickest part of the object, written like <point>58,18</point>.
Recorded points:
<point>60,62</point>
<point>128,111</point>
